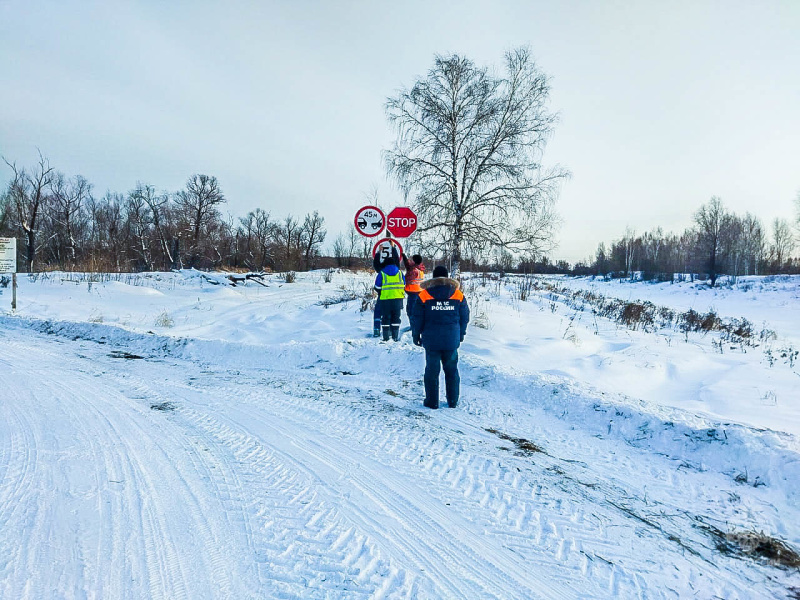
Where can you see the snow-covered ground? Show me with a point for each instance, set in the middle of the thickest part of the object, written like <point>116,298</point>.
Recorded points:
<point>163,437</point>
<point>729,382</point>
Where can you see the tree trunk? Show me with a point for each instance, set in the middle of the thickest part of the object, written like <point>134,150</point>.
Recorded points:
<point>31,235</point>
<point>713,268</point>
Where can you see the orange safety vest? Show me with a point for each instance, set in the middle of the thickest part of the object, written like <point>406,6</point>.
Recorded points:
<point>413,278</point>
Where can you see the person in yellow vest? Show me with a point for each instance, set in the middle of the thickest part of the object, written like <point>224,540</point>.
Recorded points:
<point>390,285</point>
<point>415,273</point>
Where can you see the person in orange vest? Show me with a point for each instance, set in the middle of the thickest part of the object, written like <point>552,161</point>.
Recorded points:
<point>415,273</point>
<point>439,325</point>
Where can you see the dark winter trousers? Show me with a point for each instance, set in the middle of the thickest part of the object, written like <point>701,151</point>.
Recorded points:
<point>391,311</point>
<point>412,298</point>
<point>449,362</point>
<point>376,318</point>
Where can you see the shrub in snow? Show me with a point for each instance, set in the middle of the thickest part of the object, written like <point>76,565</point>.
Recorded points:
<point>164,320</point>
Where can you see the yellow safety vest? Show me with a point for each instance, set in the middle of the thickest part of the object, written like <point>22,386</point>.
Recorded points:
<point>392,286</point>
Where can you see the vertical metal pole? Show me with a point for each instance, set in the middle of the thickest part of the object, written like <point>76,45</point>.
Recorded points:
<point>13,291</point>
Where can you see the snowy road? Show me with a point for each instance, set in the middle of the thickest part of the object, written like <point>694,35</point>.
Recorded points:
<point>163,477</point>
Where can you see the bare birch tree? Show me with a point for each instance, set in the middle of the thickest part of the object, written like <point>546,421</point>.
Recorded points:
<point>468,150</point>
<point>782,243</point>
<point>797,212</point>
<point>158,205</point>
<point>140,224</point>
<point>753,243</point>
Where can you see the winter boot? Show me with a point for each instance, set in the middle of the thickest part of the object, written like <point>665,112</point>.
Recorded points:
<point>396,333</point>
<point>376,332</point>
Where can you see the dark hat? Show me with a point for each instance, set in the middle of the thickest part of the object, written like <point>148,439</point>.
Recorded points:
<point>440,271</point>
<point>417,259</point>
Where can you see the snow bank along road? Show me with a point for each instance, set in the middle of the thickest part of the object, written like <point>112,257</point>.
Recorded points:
<point>139,466</point>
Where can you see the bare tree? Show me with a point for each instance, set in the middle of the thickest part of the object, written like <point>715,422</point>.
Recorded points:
<point>5,204</point>
<point>601,259</point>
<point>287,238</point>
<point>345,247</point>
<point>28,192</point>
<point>198,205</point>
<point>353,240</point>
<point>158,209</point>
<point>107,237</point>
<point>258,230</point>
<point>753,243</point>
<point>469,146</point>
<point>139,221</point>
<point>313,236</point>
<point>652,246</point>
<point>782,243</point>
<point>797,212</point>
<point>629,246</point>
<point>68,197</point>
<point>339,249</point>
<point>711,219</point>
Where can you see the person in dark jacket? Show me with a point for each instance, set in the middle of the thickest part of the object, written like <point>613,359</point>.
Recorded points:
<point>390,286</point>
<point>439,325</point>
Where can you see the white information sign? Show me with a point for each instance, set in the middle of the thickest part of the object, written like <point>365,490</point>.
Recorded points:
<point>8,255</point>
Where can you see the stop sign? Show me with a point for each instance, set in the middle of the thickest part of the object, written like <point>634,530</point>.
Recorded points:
<point>401,222</point>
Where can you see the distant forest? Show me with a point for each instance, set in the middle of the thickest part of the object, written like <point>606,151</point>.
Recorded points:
<point>60,224</point>
<point>720,242</point>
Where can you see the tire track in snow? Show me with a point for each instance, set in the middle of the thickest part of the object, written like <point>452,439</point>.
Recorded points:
<point>97,423</point>
<point>379,474</point>
<point>539,513</point>
<point>295,532</point>
<point>202,512</point>
<point>442,455</point>
<point>618,578</point>
<point>250,448</point>
<point>19,458</point>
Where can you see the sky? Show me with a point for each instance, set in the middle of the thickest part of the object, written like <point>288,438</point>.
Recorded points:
<point>661,105</point>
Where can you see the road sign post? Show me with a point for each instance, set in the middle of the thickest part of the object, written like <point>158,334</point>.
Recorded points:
<point>369,221</point>
<point>8,264</point>
<point>401,222</point>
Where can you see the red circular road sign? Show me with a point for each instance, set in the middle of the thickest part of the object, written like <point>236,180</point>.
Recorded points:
<point>386,249</point>
<point>369,221</point>
<point>401,222</point>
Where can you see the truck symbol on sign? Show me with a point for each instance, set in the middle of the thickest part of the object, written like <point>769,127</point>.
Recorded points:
<point>370,220</point>
<point>375,225</point>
